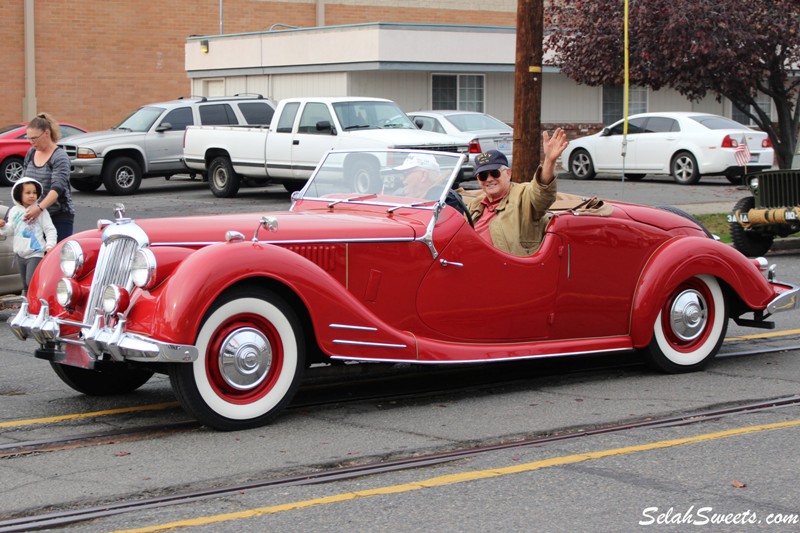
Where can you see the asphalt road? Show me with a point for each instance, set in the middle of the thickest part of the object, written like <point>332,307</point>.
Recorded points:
<point>752,468</point>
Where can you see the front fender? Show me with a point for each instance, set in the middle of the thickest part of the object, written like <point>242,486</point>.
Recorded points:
<point>194,286</point>
<point>669,266</point>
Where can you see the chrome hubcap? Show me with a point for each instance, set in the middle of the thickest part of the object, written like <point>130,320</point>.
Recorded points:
<point>688,315</point>
<point>245,358</point>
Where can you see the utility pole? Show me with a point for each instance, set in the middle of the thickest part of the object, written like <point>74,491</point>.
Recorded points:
<point>528,89</point>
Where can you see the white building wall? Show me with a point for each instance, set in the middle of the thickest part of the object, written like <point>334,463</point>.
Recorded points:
<point>564,101</point>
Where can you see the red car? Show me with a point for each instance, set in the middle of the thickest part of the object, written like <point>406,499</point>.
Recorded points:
<point>236,307</point>
<point>14,144</point>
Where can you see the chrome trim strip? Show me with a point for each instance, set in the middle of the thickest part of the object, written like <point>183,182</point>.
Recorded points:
<point>466,361</point>
<point>299,241</point>
<point>364,343</point>
<point>350,326</point>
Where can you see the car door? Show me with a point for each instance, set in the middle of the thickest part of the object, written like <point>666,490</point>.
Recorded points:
<point>608,148</point>
<point>474,291</point>
<point>312,139</point>
<point>655,146</point>
<point>278,151</point>
<point>164,140</point>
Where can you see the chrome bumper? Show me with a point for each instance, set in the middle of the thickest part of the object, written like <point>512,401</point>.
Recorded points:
<point>786,301</point>
<point>98,340</point>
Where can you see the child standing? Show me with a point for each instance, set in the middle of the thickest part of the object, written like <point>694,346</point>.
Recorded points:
<point>31,240</point>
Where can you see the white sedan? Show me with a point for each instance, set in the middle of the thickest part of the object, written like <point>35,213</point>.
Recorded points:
<point>483,132</point>
<point>685,145</point>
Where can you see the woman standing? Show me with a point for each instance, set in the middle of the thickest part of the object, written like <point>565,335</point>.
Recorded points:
<point>49,165</point>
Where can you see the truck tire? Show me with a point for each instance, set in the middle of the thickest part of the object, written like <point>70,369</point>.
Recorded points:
<point>752,243</point>
<point>365,175</point>
<point>86,185</point>
<point>122,176</point>
<point>222,180</point>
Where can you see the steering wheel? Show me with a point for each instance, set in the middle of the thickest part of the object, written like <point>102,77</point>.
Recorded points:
<point>455,201</point>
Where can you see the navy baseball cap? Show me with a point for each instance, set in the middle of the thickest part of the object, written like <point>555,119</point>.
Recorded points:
<point>491,160</point>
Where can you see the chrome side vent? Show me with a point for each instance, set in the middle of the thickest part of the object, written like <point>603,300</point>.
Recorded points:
<point>323,255</point>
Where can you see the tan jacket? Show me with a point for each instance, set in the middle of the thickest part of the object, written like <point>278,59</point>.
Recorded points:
<point>518,227</point>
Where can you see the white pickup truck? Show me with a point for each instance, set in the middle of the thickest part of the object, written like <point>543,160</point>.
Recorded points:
<point>301,131</point>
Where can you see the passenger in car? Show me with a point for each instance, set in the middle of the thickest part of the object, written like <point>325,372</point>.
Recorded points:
<point>512,216</point>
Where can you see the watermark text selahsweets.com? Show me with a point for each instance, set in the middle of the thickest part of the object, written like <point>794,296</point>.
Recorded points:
<point>706,515</point>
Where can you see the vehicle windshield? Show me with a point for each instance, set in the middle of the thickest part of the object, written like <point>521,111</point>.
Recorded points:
<point>140,120</point>
<point>10,127</point>
<point>714,122</point>
<point>395,178</point>
<point>371,115</point>
<point>477,122</point>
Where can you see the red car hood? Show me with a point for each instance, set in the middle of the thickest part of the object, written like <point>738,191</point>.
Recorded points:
<point>292,226</point>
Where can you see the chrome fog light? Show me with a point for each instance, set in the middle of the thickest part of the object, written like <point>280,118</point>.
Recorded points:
<point>115,299</point>
<point>65,291</point>
<point>72,259</point>
<point>143,268</point>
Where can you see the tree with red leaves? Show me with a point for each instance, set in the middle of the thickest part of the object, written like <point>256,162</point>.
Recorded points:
<point>731,49</point>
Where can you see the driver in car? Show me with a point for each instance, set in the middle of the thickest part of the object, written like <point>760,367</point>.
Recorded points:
<point>512,216</point>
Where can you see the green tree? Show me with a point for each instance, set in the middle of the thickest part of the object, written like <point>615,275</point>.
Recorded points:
<point>732,49</point>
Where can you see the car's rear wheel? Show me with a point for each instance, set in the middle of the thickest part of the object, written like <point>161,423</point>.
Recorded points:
<point>690,327</point>
<point>251,357</point>
<point>752,243</point>
<point>122,176</point>
<point>684,169</point>
<point>581,165</point>
<point>223,181</point>
<point>119,379</point>
<point>86,185</point>
<point>11,170</point>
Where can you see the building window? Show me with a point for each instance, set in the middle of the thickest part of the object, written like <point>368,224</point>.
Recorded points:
<point>763,101</point>
<point>613,104</point>
<point>458,91</point>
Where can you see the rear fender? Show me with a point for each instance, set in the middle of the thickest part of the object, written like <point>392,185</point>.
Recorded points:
<point>669,266</point>
<point>187,296</point>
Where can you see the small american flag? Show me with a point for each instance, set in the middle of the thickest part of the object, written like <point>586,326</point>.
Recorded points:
<point>742,153</point>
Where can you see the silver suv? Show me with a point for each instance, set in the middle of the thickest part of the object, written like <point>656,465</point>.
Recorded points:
<point>149,142</point>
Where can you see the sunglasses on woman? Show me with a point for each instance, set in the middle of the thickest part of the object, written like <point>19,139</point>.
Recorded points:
<point>483,176</point>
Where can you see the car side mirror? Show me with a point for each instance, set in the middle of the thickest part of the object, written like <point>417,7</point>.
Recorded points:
<point>164,126</point>
<point>418,123</point>
<point>323,125</point>
<point>604,132</point>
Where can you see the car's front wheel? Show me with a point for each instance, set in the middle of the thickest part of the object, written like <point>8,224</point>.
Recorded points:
<point>86,185</point>
<point>251,357</point>
<point>223,181</point>
<point>11,170</point>
<point>752,243</point>
<point>581,165</point>
<point>684,169</point>
<point>122,176</point>
<point>690,327</point>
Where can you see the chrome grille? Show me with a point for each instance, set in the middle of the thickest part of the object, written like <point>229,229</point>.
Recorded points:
<point>113,266</point>
<point>778,188</point>
<point>71,150</point>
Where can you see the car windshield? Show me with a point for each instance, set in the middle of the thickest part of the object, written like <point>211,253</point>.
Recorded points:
<point>141,119</point>
<point>411,178</point>
<point>714,122</point>
<point>477,122</point>
<point>9,127</point>
<point>369,114</point>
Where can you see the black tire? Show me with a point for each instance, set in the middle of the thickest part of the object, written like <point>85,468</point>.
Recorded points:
<point>751,242</point>
<point>252,356</point>
<point>120,379</point>
<point>735,179</point>
<point>690,327</point>
<point>86,185</point>
<point>122,176</point>
<point>365,175</point>
<point>293,186</point>
<point>581,166</point>
<point>683,169</point>
<point>223,181</point>
<point>11,170</point>
<point>687,216</point>
<point>635,177</point>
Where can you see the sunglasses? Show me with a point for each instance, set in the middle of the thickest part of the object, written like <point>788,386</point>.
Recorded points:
<point>483,176</point>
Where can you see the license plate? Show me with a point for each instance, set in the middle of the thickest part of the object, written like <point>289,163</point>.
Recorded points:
<point>504,145</point>
<point>754,158</point>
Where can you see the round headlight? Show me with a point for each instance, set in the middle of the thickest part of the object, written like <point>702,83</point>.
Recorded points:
<point>72,259</point>
<point>143,268</point>
<point>754,183</point>
<point>115,299</point>
<point>65,291</point>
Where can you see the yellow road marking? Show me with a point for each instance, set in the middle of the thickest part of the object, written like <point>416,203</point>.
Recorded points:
<point>75,416</point>
<point>771,334</point>
<point>459,478</point>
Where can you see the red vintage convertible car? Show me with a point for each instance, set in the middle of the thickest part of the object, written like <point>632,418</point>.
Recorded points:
<point>236,307</point>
